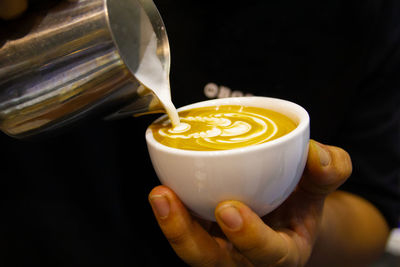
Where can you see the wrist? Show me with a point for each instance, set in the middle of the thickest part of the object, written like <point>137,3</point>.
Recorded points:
<point>344,237</point>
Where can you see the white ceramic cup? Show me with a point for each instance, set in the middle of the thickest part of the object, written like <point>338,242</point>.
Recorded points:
<point>262,176</point>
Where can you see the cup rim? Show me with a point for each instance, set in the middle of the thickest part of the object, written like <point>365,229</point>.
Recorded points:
<point>295,110</point>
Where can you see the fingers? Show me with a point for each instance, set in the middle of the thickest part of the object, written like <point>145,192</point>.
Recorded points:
<point>326,169</point>
<point>10,9</point>
<point>255,240</point>
<point>188,239</point>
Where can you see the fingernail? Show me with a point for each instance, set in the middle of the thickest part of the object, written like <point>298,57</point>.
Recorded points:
<point>161,206</point>
<point>231,217</point>
<point>323,153</point>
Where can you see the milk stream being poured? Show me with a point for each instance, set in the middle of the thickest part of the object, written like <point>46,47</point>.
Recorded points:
<point>153,75</point>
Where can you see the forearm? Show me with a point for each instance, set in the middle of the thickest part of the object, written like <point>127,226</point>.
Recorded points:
<point>353,232</point>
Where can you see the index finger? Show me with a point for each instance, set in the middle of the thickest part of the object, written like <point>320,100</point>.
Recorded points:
<point>186,236</point>
<point>262,245</point>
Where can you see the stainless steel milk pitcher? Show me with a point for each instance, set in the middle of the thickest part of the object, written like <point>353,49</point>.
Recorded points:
<point>78,59</point>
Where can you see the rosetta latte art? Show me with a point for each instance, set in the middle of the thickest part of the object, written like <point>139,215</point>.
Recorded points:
<point>222,128</point>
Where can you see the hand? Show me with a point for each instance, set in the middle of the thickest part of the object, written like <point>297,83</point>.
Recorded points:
<point>10,9</point>
<point>284,237</point>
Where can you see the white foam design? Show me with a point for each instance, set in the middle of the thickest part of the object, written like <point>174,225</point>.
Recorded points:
<point>180,128</point>
<point>225,128</point>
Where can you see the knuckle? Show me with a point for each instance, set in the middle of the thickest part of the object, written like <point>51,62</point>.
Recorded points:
<point>210,261</point>
<point>256,252</point>
<point>251,243</point>
<point>250,249</point>
<point>176,237</point>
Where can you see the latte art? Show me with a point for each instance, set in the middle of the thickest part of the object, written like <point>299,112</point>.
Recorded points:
<point>222,127</point>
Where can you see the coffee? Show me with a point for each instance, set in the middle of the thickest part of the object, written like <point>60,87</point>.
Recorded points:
<point>222,128</point>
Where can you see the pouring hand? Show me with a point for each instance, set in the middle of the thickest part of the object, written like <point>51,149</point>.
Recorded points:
<point>285,237</point>
<point>10,9</point>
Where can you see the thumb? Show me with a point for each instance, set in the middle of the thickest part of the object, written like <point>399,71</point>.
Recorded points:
<point>327,168</point>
